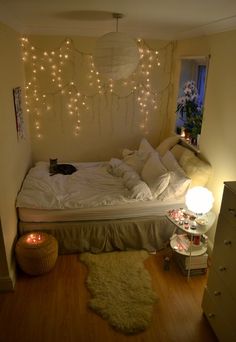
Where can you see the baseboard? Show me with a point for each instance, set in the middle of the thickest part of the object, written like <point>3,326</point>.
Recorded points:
<point>6,284</point>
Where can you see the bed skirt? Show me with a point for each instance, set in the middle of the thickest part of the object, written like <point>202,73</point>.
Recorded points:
<point>149,233</point>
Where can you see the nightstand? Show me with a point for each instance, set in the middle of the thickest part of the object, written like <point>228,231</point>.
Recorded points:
<point>219,298</point>
<point>194,227</point>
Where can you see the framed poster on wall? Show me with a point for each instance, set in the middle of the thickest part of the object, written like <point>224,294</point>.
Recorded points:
<point>18,113</point>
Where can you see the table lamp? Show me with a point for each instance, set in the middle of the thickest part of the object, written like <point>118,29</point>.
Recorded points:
<point>199,200</point>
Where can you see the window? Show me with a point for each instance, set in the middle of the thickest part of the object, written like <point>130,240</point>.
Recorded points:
<point>191,96</point>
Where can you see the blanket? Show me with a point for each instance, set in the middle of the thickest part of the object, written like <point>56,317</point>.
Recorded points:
<point>92,185</point>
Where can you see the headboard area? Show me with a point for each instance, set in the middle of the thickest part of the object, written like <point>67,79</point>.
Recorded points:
<point>192,162</point>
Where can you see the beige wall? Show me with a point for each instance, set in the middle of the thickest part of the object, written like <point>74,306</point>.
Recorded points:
<point>218,135</point>
<point>110,124</point>
<point>218,138</point>
<point>14,153</point>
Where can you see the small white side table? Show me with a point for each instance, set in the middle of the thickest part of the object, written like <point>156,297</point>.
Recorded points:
<point>192,225</point>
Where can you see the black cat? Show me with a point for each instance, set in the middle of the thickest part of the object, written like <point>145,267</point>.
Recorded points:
<point>64,169</point>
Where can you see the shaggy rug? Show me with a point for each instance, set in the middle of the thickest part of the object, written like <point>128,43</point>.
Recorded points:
<point>121,289</point>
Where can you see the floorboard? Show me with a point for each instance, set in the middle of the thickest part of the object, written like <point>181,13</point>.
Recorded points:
<point>53,307</point>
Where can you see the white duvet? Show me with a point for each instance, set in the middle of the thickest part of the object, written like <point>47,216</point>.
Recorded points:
<point>92,185</point>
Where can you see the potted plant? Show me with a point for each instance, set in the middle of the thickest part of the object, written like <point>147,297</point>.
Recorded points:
<point>189,110</point>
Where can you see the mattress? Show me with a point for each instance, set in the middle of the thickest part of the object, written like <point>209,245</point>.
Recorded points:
<point>128,210</point>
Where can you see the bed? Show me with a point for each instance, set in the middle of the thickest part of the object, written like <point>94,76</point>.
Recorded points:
<point>115,205</point>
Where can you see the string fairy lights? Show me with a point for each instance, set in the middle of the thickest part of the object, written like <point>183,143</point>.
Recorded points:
<point>55,73</point>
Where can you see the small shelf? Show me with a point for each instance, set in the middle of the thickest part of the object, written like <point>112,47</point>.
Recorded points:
<point>194,250</point>
<point>192,226</point>
<point>198,229</point>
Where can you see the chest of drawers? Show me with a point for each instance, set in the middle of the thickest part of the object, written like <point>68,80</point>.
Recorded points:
<point>219,300</point>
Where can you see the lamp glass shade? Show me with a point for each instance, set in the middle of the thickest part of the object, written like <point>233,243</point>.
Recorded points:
<point>116,55</point>
<point>199,200</point>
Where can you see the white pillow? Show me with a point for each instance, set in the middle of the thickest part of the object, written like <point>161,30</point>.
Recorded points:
<point>155,174</point>
<point>177,187</point>
<point>153,168</point>
<point>145,149</point>
<point>141,192</point>
<point>136,159</point>
<point>171,163</point>
<point>160,184</point>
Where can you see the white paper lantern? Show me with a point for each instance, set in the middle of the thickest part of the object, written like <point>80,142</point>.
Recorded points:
<point>199,200</point>
<point>116,55</point>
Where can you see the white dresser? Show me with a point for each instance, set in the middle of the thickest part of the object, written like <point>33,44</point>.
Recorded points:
<point>219,300</point>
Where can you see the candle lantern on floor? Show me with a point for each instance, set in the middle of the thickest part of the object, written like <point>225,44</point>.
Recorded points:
<point>36,252</point>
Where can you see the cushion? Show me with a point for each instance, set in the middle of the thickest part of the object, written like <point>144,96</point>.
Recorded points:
<point>167,144</point>
<point>141,191</point>
<point>137,159</point>
<point>171,163</point>
<point>160,184</point>
<point>153,168</point>
<point>145,149</point>
<point>195,168</point>
<point>177,187</point>
<point>155,174</point>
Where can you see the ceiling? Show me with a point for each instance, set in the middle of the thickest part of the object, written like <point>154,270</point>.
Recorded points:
<point>156,19</point>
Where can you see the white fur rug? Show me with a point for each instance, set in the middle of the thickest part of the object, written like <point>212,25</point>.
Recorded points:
<point>121,289</point>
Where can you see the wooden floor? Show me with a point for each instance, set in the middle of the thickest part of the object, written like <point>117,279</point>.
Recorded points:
<point>53,307</point>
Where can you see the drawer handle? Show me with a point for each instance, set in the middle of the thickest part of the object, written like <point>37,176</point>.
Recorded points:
<point>222,268</point>
<point>227,242</point>
<point>232,211</point>
<point>211,315</point>
<point>217,293</point>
